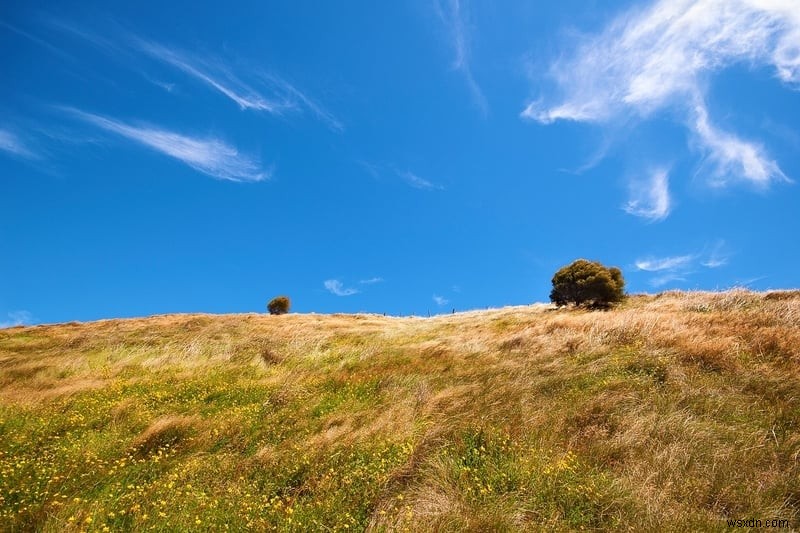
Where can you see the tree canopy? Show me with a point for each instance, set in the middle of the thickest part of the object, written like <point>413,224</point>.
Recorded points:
<point>587,284</point>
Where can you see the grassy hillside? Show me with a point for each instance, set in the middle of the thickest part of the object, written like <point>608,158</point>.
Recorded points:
<point>674,412</point>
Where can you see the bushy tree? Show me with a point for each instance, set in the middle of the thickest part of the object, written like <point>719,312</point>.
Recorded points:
<point>279,305</point>
<point>587,284</point>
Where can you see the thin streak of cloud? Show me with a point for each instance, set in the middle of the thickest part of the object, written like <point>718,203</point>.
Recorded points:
<point>380,171</point>
<point>418,183</point>
<point>371,281</point>
<point>37,40</point>
<point>261,91</point>
<point>370,168</point>
<point>718,257</point>
<point>283,97</point>
<point>17,318</point>
<point>312,105</point>
<point>653,264</point>
<point>334,286</point>
<point>660,57</point>
<point>210,156</point>
<point>660,281</point>
<point>715,262</point>
<point>452,13</point>
<point>651,200</point>
<point>680,267</point>
<point>674,268</point>
<point>11,143</point>
<point>440,300</point>
<point>224,82</point>
<point>98,41</point>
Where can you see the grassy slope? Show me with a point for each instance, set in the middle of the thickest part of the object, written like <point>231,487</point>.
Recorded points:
<point>671,412</point>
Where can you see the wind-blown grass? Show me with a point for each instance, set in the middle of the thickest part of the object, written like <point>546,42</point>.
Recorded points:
<point>673,411</point>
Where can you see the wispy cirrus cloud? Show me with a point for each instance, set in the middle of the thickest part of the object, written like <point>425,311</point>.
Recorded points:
<point>16,318</point>
<point>650,199</point>
<point>303,100</point>
<point>453,15</point>
<point>37,40</point>
<point>334,286</point>
<point>105,44</point>
<point>730,156</point>
<point>667,269</point>
<point>715,262</point>
<point>717,257</point>
<point>417,182</point>
<point>252,88</point>
<point>210,155</point>
<point>661,57</point>
<point>11,143</point>
<point>680,267</point>
<point>440,300</point>
<point>652,264</point>
<point>266,92</point>
<point>216,75</point>
<point>379,171</point>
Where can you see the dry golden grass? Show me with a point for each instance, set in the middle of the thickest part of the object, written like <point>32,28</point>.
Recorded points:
<point>674,411</point>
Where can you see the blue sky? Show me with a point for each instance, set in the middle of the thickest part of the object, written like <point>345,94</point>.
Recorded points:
<point>397,157</point>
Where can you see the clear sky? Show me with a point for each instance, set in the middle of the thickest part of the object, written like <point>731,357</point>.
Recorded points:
<point>398,157</point>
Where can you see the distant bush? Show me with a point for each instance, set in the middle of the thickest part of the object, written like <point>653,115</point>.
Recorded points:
<point>587,284</point>
<point>279,305</point>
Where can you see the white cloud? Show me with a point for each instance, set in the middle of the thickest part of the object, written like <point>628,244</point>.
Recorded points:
<point>11,143</point>
<point>674,268</point>
<point>714,262</point>
<point>650,200</point>
<point>440,300</point>
<point>661,57</point>
<point>371,281</point>
<point>273,95</point>
<point>664,263</point>
<point>17,318</point>
<point>660,281</point>
<point>717,257</point>
<point>453,14</point>
<point>730,156</point>
<point>335,286</point>
<point>250,88</point>
<point>372,169</point>
<point>380,170</point>
<point>41,42</point>
<point>293,93</point>
<point>210,155</point>
<point>417,182</point>
<point>216,76</point>
<point>680,267</point>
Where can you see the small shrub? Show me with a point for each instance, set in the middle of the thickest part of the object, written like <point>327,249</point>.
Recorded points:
<point>587,284</point>
<point>279,305</point>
